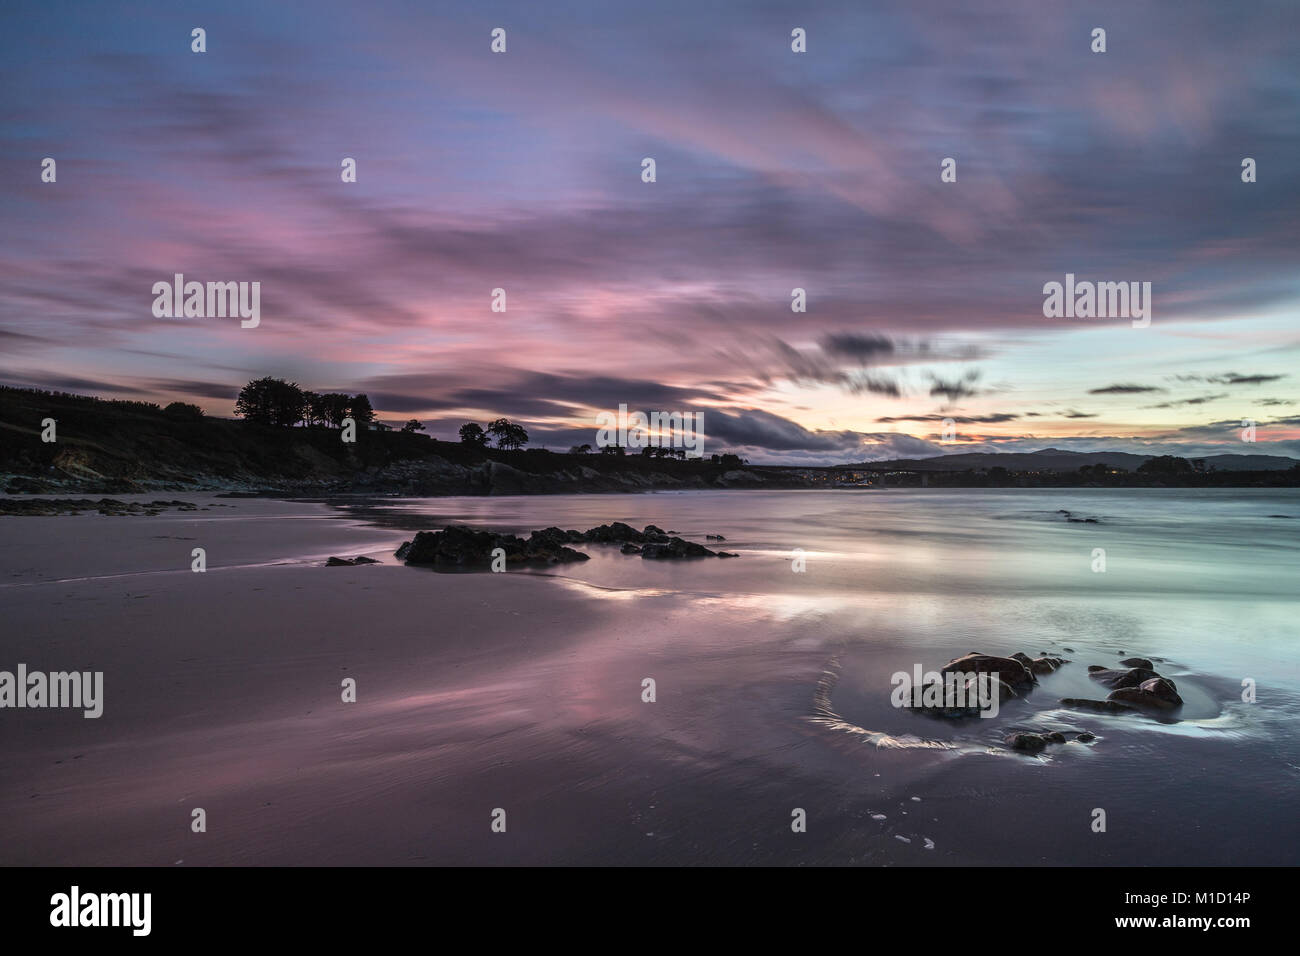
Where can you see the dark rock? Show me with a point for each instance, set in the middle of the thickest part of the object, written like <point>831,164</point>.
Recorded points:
<point>728,554</point>
<point>1163,688</point>
<point>675,548</point>
<point>630,548</point>
<point>555,537</point>
<point>364,560</point>
<point>105,506</point>
<point>1055,737</point>
<point>1029,743</point>
<point>714,537</point>
<point>1138,662</point>
<point>615,533</point>
<point>1041,665</point>
<point>461,547</point>
<point>1117,679</point>
<point>1009,669</point>
<point>339,563</point>
<point>1085,737</point>
<point>1155,694</point>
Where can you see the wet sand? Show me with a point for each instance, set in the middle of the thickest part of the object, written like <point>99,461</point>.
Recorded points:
<point>519,691</point>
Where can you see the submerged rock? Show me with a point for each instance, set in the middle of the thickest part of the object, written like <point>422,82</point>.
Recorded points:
<point>1098,706</point>
<point>1032,743</point>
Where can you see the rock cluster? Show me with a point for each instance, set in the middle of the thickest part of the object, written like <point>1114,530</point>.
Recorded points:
<point>469,549</point>
<point>1137,688</point>
<point>1013,677</point>
<point>105,506</point>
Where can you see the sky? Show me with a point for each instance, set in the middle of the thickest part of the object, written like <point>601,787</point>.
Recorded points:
<point>774,170</point>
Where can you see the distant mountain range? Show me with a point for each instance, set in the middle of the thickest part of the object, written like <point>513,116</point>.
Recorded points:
<point>1054,459</point>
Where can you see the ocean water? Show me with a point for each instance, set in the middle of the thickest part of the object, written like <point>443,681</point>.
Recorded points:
<point>789,649</point>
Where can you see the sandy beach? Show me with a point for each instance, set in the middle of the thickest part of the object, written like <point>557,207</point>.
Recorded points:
<point>223,692</point>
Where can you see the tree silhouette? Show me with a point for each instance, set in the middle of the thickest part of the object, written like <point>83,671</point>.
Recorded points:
<point>360,409</point>
<point>509,436</point>
<point>471,434</point>
<point>271,401</point>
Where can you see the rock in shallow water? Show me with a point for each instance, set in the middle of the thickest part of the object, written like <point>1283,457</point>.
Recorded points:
<point>1029,743</point>
<point>471,550</point>
<point>461,547</point>
<point>1137,662</point>
<point>1097,706</point>
<point>1138,688</point>
<point>676,548</point>
<point>1155,694</point>
<point>1009,669</point>
<point>1116,679</point>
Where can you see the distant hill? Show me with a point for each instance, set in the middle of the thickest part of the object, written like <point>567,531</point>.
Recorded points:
<point>1054,459</point>
<point>121,447</point>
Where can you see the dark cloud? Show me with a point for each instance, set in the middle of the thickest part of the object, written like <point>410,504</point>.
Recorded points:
<point>760,429</point>
<point>955,389</point>
<point>993,419</point>
<point>1199,400</point>
<point>1123,390</point>
<point>1232,378</point>
<point>860,348</point>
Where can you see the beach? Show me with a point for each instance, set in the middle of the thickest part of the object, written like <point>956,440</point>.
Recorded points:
<point>523,691</point>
